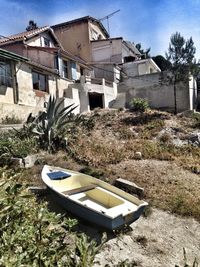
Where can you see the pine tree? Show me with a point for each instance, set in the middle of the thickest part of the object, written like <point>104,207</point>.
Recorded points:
<point>31,26</point>
<point>181,55</point>
<point>145,53</point>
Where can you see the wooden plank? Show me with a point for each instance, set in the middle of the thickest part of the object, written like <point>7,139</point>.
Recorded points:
<point>79,190</point>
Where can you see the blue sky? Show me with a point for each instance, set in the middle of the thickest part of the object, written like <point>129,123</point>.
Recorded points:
<point>149,22</point>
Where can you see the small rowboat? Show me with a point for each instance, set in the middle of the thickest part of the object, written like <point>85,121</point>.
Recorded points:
<point>92,199</point>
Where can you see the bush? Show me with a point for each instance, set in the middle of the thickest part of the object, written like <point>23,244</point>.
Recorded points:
<point>49,126</point>
<point>139,104</point>
<point>30,235</point>
<point>11,146</point>
<point>11,120</point>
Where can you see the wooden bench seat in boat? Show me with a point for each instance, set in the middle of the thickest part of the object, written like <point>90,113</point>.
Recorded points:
<point>79,190</point>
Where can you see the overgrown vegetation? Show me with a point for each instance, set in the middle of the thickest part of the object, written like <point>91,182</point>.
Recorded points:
<point>11,120</point>
<point>13,146</point>
<point>139,104</point>
<point>49,126</point>
<point>36,237</point>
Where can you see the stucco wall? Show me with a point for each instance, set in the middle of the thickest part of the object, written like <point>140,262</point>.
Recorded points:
<point>95,27</point>
<point>75,39</point>
<point>157,94</point>
<point>62,86</point>
<point>107,50</point>
<point>18,111</point>
<point>140,67</point>
<point>6,94</point>
<point>26,95</point>
<point>39,40</point>
<point>42,57</point>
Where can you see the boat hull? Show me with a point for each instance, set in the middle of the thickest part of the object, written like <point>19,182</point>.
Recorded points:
<point>95,217</point>
<point>92,199</point>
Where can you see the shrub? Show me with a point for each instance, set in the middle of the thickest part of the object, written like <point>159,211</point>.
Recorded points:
<point>139,104</point>
<point>11,120</point>
<point>49,126</point>
<point>36,237</point>
<point>11,146</point>
<point>196,120</point>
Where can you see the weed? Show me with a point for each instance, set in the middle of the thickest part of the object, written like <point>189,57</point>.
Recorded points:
<point>139,104</point>
<point>165,138</point>
<point>142,240</point>
<point>92,171</point>
<point>11,120</point>
<point>185,264</point>
<point>196,120</point>
<point>21,224</point>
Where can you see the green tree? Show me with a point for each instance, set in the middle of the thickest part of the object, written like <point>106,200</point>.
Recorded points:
<point>180,54</point>
<point>145,53</point>
<point>162,62</point>
<point>31,25</point>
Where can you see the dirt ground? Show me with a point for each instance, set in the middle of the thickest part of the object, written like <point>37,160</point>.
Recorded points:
<point>154,242</point>
<point>169,185</point>
<point>158,239</point>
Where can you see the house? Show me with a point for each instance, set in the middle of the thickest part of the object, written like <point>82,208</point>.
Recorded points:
<point>87,38</point>
<point>49,69</point>
<point>76,35</point>
<point>114,50</point>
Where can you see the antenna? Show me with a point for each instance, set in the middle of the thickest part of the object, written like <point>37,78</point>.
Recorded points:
<point>107,18</point>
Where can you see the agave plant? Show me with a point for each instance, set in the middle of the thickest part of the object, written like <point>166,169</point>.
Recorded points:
<point>48,126</point>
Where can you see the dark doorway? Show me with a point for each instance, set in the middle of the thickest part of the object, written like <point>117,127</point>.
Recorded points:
<point>95,100</point>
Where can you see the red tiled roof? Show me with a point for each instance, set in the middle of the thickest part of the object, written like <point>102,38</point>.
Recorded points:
<point>23,35</point>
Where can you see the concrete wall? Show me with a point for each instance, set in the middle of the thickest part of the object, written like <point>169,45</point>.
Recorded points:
<point>110,50</point>
<point>109,72</point>
<point>109,94</point>
<point>107,50</point>
<point>140,67</point>
<point>159,95</point>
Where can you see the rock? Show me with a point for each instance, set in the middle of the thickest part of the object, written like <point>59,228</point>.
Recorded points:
<point>29,161</point>
<point>138,155</point>
<point>18,162</point>
<point>194,139</point>
<point>129,187</point>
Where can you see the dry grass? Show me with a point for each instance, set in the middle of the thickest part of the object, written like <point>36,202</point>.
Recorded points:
<point>117,135</point>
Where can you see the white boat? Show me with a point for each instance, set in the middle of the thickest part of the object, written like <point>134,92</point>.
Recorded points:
<point>92,199</point>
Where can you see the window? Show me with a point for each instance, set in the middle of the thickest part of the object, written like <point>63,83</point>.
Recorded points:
<point>39,81</point>
<point>94,35</point>
<point>65,72</point>
<point>5,73</point>
<point>46,42</point>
